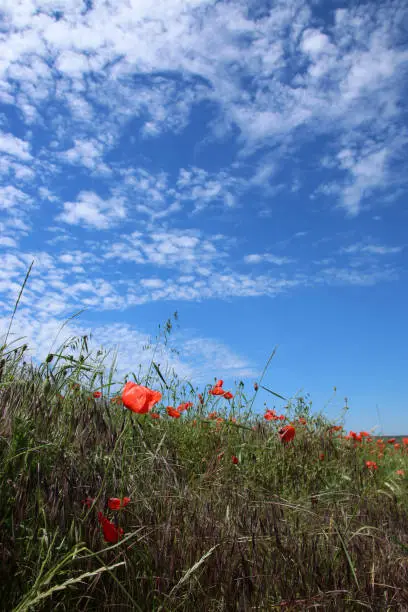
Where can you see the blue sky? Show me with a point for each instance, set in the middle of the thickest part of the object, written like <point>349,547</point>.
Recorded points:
<point>243,163</point>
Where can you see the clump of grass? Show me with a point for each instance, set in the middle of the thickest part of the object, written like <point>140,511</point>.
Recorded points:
<point>293,526</point>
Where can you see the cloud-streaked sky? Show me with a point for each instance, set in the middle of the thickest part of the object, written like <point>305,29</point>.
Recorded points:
<point>242,162</point>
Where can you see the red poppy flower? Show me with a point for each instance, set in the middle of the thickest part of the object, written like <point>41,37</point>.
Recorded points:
<point>287,433</point>
<point>302,421</point>
<point>391,440</point>
<point>139,399</point>
<point>335,428</point>
<point>356,437</point>
<point>228,395</point>
<point>200,398</point>
<point>371,465</point>
<point>364,434</point>
<point>405,441</point>
<point>155,415</point>
<point>270,415</point>
<point>219,383</point>
<point>97,394</point>
<point>111,533</point>
<point>234,460</point>
<point>213,416</point>
<point>281,417</point>
<point>216,391</point>
<point>115,503</point>
<point>321,456</point>
<point>116,400</point>
<point>397,445</point>
<point>173,412</point>
<point>400,473</point>
<point>184,406</point>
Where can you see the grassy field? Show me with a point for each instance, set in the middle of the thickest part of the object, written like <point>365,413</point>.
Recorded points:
<point>207,508</point>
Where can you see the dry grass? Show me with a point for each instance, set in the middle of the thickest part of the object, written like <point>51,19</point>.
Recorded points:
<point>282,530</point>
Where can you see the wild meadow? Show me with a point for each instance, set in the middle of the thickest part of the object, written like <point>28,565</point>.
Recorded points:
<point>150,493</point>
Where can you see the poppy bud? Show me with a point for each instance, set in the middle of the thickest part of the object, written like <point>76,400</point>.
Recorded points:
<point>49,358</point>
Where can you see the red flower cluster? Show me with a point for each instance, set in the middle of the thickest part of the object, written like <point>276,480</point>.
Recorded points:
<point>111,532</point>
<point>218,390</point>
<point>287,433</point>
<point>335,428</point>
<point>173,412</point>
<point>115,503</point>
<point>371,465</point>
<point>184,406</point>
<point>139,399</point>
<point>116,400</point>
<point>358,437</point>
<point>270,415</point>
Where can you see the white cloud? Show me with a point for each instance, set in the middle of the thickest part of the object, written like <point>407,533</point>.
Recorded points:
<point>367,173</point>
<point>152,283</point>
<point>169,248</point>
<point>11,145</point>
<point>315,43</point>
<point>76,258</point>
<point>72,64</point>
<point>156,62</point>
<point>268,81</point>
<point>92,211</point>
<point>372,249</point>
<point>199,360</point>
<point>199,186</point>
<point>87,153</point>
<point>219,359</point>
<point>258,258</point>
<point>11,197</point>
<point>350,276</point>
<point>7,241</point>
